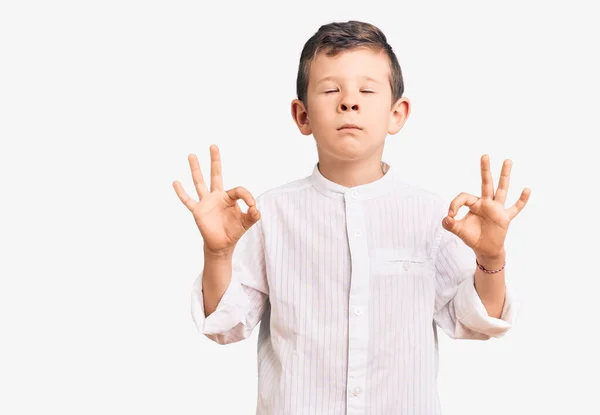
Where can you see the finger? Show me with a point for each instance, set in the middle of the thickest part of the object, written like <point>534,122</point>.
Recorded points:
<point>452,225</point>
<point>503,182</point>
<point>197,177</point>
<point>216,178</point>
<point>241,193</point>
<point>253,215</point>
<point>250,218</point>
<point>183,196</point>
<point>463,199</point>
<point>519,205</point>
<point>487,184</point>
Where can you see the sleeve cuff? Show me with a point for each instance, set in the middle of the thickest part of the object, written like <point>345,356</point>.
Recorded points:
<point>471,312</point>
<point>231,310</point>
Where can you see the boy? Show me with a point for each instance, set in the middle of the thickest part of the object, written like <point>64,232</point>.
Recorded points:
<point>350,270</point>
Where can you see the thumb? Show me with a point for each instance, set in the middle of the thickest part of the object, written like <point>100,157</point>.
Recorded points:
<point>251,217</point>
<point>449,223</point>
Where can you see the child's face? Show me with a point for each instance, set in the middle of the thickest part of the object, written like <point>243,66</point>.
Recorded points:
<point>350,88</point>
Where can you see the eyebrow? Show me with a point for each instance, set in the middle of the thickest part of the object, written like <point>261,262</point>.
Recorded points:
<point>331,78</point>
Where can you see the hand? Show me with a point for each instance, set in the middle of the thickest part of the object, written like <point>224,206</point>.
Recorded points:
<point>484,227</point>
<point>218,216</point>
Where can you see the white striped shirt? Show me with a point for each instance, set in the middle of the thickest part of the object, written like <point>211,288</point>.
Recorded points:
<point>350,285</point>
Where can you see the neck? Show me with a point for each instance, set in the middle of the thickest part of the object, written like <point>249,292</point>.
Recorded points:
<point>351,173</point>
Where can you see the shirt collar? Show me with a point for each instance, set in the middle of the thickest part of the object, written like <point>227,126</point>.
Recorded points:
<point>363,191</point>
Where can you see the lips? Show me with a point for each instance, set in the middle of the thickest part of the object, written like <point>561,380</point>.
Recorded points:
<point>349,127</point>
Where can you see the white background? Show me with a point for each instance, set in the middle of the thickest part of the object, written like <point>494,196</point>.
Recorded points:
<point>101,103</point>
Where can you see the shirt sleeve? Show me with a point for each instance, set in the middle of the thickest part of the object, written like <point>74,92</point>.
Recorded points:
<point>242,306</point>
<point>459,311</point>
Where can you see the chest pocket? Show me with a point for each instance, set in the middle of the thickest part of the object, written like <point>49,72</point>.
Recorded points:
<point>399,262</point>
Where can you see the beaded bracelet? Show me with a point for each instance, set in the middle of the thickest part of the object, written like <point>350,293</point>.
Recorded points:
<point>488,271</point>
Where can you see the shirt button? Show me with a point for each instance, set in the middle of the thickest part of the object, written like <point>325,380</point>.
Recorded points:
<point>357,234</point>
<point>357,390</point>
<point>406,265</point>
<point>354,194</point>
<point>358,311</point>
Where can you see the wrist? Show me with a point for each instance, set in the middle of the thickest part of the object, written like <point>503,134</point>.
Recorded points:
<point>492,262</point>
<point>219,255</point>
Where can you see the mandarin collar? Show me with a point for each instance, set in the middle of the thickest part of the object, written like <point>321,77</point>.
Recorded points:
<point>363,191</point>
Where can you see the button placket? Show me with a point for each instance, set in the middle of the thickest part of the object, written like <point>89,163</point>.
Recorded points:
<point>358,300</point>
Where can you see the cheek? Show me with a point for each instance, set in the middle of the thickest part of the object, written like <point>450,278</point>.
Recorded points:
<point>379,116</point>
<point>321,117</point>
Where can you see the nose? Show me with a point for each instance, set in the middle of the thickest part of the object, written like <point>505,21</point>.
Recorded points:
<point>348,103</point>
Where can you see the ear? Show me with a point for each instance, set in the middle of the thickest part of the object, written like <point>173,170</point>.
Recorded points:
<point>400,112</point>
<point>300,115</point>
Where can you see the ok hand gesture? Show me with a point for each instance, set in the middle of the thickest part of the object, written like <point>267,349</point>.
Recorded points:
<point>485,226</point>
<point>217,214</point>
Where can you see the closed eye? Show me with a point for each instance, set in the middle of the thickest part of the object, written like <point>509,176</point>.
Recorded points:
<point>365,91</point>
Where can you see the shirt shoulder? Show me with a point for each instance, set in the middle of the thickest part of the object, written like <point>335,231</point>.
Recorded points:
<point>294,186</point>
<point>405,189</point>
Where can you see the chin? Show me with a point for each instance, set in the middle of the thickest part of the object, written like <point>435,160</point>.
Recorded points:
<point>348,147</point>
<point>345,150</point>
